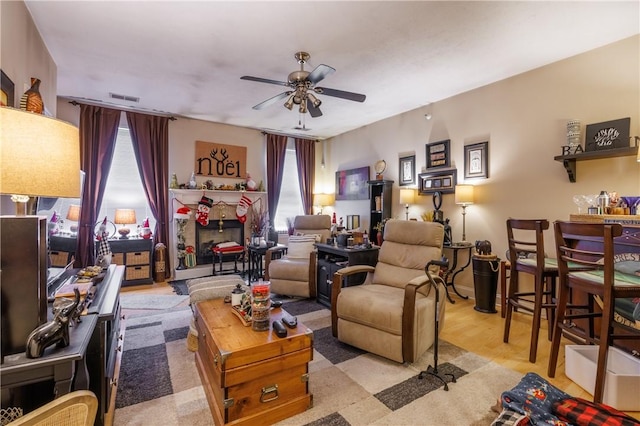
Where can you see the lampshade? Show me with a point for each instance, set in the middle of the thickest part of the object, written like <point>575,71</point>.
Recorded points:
<point>125,216</point>
<point>464,194</point>
<point>323,199</point>
<point>39,155</point>
<point>74,213</point>
<point>407,196</point>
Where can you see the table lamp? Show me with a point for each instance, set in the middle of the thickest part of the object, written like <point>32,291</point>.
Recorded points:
<point>40,157</point>
<point>464,197</point>
<point>124,217</point>
<point>323,200</point>
<point>407,196</point>
<point>73,215</point>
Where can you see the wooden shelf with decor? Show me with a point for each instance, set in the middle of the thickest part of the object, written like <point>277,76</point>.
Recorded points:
<point>569,161</point>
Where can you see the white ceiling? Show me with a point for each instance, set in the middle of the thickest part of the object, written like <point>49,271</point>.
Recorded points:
<point>186,58</point>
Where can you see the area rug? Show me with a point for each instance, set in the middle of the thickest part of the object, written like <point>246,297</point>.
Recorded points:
<point>150,301</point>
<point>179,287</point>
<point>159,383</point>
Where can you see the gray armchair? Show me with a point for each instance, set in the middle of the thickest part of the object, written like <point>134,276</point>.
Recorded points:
<point>392,314</point>
<point>294,274</point>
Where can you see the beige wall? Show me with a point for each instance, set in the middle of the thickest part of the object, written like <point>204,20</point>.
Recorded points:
<point>23,55</point>
<point>524,119</point>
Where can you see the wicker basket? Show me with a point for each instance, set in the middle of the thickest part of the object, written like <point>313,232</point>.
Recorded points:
<point>138,258</point>
<point>137,273</point>
<point>117,259</point>
<point>59,258</point>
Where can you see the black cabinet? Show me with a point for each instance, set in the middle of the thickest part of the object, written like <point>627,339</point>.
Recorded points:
<point>380,194</point>
<point>105,348</point>
<point>90,361</point>
<point>135,254</point>
<point>331,258</point>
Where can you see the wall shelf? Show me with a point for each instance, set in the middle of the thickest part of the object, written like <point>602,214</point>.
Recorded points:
<point>569,161</point>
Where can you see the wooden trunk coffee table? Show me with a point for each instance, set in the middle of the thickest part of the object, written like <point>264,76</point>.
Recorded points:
<point>251,377</point>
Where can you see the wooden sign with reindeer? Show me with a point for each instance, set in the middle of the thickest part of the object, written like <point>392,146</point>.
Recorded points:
<point>219,160</point>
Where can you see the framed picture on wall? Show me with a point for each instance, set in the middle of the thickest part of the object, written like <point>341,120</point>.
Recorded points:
<point>438,154</point>
<point>407,170</point>
<point>352,184</point>
<point>443,181</point>
<point>476,160</point>
<point>6,90</point>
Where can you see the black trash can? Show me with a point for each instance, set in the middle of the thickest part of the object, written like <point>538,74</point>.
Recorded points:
<point>485,282</point>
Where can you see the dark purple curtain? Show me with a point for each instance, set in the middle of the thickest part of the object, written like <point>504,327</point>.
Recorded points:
<point>150,137</point>
<point>98,131</point>
<point>306,161</point>
<point>276,150</point>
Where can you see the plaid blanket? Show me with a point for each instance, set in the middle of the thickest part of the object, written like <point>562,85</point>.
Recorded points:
<point>581,412</point>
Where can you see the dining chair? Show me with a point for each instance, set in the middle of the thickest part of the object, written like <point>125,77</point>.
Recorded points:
<point>526,255</point>
<point>590,246</point>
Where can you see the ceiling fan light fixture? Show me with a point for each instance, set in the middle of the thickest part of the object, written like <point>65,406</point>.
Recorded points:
<point>289,103</point>
<point>303,107</point>
<point>314,101</point>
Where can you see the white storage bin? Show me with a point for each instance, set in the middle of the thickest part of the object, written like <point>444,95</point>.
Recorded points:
<point>622,382</point>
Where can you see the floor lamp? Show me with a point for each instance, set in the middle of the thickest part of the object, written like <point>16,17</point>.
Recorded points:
<point>407,196</point>
<point>464,197</point>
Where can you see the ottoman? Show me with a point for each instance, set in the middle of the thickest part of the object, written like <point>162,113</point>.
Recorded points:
<point>206,288</point>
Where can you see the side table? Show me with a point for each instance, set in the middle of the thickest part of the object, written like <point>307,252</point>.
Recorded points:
<point>450,274</point>
<point>256,260</point>
<point>331,258</point>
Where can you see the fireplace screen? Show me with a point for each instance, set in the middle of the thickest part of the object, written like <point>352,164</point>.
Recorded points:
<point>207,237</point>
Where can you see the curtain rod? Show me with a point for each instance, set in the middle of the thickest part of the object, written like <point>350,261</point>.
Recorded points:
<point>289,135</point>
<point>119,107</point>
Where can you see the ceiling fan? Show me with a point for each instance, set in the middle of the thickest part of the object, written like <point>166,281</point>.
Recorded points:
<point>302,86</point>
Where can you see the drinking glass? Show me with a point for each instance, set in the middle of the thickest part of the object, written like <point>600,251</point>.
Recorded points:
<point>580,201</point>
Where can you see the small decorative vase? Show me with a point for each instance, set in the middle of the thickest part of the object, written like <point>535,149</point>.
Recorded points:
<point>32,100</point>
<point>379,238</point>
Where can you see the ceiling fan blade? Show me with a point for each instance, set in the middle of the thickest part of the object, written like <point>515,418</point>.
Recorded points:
<point>272,100</point>
<point>313,111</point>
<point>264,80</point>
<point>319,73</point>
<point>340,94</point>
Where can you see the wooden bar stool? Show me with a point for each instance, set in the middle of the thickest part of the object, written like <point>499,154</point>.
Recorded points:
<point>585,261</point>
<point>526,252</point>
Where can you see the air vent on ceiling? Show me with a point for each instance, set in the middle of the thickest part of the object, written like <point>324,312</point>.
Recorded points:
<point>124,97</point>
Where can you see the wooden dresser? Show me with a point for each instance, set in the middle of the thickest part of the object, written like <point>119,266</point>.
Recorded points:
<point>251,377</point>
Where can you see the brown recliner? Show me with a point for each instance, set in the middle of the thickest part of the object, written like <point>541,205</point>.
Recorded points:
<point>294,273</point>
<point>392,313</point>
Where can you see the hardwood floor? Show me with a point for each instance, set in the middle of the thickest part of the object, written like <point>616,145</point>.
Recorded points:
<point>482,334</point>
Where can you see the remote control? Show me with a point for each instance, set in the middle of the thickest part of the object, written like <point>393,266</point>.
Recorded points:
<point>279,329</point>
<point>291,322</point>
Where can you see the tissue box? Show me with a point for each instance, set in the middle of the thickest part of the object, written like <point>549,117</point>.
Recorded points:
<point>622,380</point>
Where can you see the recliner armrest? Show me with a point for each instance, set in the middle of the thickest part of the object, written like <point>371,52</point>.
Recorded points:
<point>350,270</point>
<point>271,254</point>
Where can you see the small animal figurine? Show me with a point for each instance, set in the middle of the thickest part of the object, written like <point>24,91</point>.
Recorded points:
<point>483,247</point>
<point>55,331</point>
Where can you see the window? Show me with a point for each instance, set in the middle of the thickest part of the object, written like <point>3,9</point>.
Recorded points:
<point>290,203</point>
<point>124,187</point>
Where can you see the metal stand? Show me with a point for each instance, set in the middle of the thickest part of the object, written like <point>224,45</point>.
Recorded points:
<point>433,370</point>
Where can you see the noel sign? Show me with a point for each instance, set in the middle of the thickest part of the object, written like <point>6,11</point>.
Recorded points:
<point>219,160</point>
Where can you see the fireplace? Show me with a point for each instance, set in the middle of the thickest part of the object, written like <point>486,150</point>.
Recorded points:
<point>207,237</point>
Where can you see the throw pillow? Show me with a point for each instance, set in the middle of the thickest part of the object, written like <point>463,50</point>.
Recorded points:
<point>300,246</point>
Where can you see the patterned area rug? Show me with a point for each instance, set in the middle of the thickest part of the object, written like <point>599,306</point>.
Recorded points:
<point>179,287</point>
<point>159,383</point>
